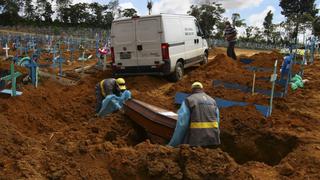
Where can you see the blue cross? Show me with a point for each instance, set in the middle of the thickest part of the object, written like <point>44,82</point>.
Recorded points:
<point>32,65</point>
<point>54,51</point>
<point>60,60</point>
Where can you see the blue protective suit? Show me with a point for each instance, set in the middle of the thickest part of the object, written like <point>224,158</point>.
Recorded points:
<point>113,103</point>
<point>183,125</point>
<point>285,68</point>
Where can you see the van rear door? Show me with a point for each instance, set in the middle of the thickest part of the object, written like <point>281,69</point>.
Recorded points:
<point>148,36</point>
<point>124,43</point>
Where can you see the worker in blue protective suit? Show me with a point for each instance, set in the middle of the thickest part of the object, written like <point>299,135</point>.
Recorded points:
<point>285,67</point>
<point>198,120</point>
<point>107,87</point>
<point>113,103</point>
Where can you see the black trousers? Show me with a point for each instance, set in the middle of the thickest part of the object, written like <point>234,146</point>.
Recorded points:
<point>230,50</point>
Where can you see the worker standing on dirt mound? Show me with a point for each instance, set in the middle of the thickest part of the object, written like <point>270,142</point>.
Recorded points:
<point>198,120</point>
<point>230,34</point>
<point>107,87</point>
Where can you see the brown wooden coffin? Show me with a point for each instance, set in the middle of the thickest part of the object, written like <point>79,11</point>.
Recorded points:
<point>154,120</point>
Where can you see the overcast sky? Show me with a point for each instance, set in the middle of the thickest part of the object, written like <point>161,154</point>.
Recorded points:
<point>253,11</point>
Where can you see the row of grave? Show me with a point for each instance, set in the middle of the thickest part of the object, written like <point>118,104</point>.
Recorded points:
<point>33,66</point>
<point>28,42</point>
<point>286,75</point>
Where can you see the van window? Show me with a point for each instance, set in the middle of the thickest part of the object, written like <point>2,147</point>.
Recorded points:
<point>123,32</point>
<point>148,30</point>
<point>198,29</point>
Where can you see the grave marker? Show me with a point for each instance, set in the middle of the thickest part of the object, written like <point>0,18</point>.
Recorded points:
<point>13,77</point>
<point>273,80</point>
<point>7,50</point>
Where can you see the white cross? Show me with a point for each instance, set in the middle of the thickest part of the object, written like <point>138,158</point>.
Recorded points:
<point>7,50</point>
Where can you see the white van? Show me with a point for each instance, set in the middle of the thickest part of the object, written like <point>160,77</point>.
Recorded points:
<point>162,44</point>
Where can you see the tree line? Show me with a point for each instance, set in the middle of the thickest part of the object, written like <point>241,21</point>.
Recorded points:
<point>42,13</point>
<point>300,15</point>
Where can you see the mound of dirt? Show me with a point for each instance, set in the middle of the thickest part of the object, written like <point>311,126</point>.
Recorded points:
<point>266,59</point>
<point>225,69</point>
<point>161,162</point>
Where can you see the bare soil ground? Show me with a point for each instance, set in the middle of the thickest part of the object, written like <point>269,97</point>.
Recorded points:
<point>51,132</point>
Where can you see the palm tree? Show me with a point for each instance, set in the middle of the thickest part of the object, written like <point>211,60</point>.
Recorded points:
<point>149,6</point>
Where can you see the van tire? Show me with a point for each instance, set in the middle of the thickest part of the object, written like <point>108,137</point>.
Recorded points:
<point>204,59</point>
<point>178,73</point>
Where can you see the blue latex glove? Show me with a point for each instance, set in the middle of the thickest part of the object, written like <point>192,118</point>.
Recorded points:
<point>113,103</point>
<point>181,126</point>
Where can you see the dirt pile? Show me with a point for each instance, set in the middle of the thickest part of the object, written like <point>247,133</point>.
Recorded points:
<point>224,69</point>
<point>161,162</point>
<point>266,59</point>
<point>58,123</point>
<point>215,69</point>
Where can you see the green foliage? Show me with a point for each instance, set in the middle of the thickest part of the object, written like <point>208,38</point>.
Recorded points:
<point>79,13</point>
<point>113,6</point>
<point>29,10</point>
<point>208,15</point>
<point>129,12</point>
<point>220,27</point>
<point>237,21</point>
<point>301,12</point>
<point>268,26</point>
<point>47,12</point>
<point>295,8</point>
<point>13,12</point>
<point>107,20</point>
<point>10,11</point>
<point>257,35</point>
<point>98,10</point>
<point>316,26</point>
<point>44,10</point>
<point>249,32</point>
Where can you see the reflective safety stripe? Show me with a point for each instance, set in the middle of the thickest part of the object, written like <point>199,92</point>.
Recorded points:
<point>103,92</point>
<point>204,125</point>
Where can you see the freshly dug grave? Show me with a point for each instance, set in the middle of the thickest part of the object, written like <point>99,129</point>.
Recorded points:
<point>51,132</point>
